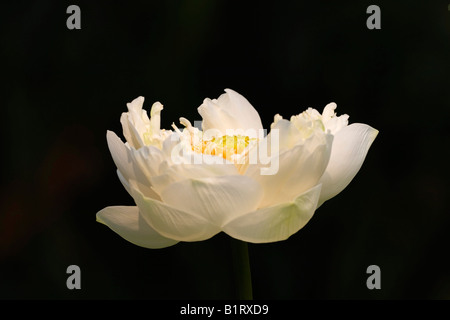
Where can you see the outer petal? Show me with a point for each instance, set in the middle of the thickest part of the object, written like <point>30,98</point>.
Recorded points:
<point>180,172</point>
<point>350,147</point>
<point>275,223</point>
<point>133,164</point>
<point>230,111</point>
<point>216,198</point>
<point>127,222</point>
<point>171,222</point>
<point>299,169</point>
<point>120,155</point>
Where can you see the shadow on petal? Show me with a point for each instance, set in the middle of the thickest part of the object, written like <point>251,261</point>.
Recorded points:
<point>171,222</point>
<point>275,223</point>
<point>128,223</point>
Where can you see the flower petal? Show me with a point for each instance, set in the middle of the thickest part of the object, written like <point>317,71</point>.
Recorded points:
<point>288,134</point>
<point>138,129</point>
<point>146,189</point>
<point>120,155</point>
<point>133,122</point>
<point>128,223</point>
<point>217,199</point>
<point>134,164</point>
<point>189,165</point>
<point>350,147</point>
<point>231,111</point>
<point>171,222</point>
<point>275,223</point>
<point>299,169</point>
<point>332,122</point>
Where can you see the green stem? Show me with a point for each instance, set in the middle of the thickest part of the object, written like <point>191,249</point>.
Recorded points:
<point>241,268</point>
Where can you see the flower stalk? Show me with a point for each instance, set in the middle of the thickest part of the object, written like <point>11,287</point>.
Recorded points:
<point>241,270</point>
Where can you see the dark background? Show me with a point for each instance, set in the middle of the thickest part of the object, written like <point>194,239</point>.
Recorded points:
<point>62,89</point>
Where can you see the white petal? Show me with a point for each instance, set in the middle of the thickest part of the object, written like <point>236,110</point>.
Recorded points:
<point>328,111</point>
<point>121,155</point>
<point>140,130</point>
<point>231,111</point>
<point>127,223</point>
<point>332,122</point>
<point>172,173</point>
<point>288,134</point>
<point>146,189</point>
<point>148,159</point>
<point>171,222</point>
<point>155,120</point>
<point>300,129</point>
<point>275,223</point>
<point>133,123</point>
<point>136,105</point>
<point>350,147</point>
<point>139,165</point>
<point>299,169</point>
<point>217,198</point>
<point>129,132</point>
<point>124,182</point>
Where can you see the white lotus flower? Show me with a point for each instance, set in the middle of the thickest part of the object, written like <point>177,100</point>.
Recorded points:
<point>191,184</point>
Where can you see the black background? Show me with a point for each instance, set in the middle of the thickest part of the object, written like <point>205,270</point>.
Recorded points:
<point>62,89</point>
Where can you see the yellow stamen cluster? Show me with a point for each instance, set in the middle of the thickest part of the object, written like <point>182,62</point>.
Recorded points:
<point>225,146</point>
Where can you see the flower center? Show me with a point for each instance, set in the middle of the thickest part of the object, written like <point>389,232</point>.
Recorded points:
<point>233,148</point>
<point>225,146</point>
